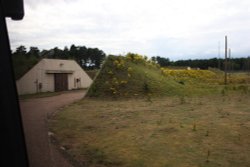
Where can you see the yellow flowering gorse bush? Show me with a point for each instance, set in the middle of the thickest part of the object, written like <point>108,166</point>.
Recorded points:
<point>205,75</point>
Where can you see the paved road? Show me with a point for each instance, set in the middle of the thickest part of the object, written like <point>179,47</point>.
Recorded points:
<point>41,152</point>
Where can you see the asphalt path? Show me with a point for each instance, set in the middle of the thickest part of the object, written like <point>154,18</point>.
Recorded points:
<point>35,112</point>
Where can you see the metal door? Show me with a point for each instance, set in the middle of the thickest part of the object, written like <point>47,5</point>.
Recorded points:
<point>61,82</point>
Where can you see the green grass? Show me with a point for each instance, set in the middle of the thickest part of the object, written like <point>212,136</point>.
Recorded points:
<point>39,95</point>
<point>92,73</point>
<point>143,78</point>
<point>45,94</point>
<point>136,116</point>
<point>208,131</point>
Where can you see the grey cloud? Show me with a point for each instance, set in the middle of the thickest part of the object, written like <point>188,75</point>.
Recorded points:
<point>118,28</point>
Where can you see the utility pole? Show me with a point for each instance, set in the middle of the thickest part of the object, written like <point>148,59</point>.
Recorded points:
<point>229,66</point>
<point>219,56</point>
<point>229,60</point>
<point>225,64</point>
<point>248,65</point>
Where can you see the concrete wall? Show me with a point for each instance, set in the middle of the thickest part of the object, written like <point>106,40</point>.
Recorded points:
<point>28,84</point>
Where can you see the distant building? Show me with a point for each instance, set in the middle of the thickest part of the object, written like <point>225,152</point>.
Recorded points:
<point>52,75</point>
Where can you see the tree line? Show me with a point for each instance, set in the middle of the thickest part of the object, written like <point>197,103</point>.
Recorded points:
<point>91,58</point>
<point>233,64</point>
<point>87,58</point>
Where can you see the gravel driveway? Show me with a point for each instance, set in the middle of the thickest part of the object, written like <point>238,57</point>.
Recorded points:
<point>41,152</point>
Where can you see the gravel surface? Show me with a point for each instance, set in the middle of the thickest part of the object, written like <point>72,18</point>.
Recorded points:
<point>41,152</point>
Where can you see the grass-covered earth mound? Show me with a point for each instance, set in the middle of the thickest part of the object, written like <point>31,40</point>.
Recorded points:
<point>135,76</point>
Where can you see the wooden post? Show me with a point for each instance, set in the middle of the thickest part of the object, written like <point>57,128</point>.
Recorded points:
<point>219,67</point>
<point>225,64</point>
<point>229,65</point>
<point>229,59</point>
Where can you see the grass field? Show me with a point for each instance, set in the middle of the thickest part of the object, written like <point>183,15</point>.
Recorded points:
<point>137,114</point>
<point>209,131</point>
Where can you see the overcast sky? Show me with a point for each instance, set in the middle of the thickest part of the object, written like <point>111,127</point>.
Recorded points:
<point>177,29</point>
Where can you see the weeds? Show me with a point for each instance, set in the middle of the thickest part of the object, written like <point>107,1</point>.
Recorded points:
<point>148,98</point>
<point>159,122</point>
<point>207,133</point>
<point>208,155</point>
<point>145,87</point>
<point>194,127</point>
<point>170,120</point>
<point>181,82</point>
<point>96,156</point>
<point>182,100</point>
<point>243,89</point>
<point>138,163</point>
<point>223,92</point>
<point>181,126</point>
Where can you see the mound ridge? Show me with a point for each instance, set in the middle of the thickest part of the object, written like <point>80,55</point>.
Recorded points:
<point>134,75</point>
<point>130,76</point>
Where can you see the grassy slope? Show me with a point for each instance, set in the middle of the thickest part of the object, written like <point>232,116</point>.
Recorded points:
<point>92,73</point>
<point>145,79</point>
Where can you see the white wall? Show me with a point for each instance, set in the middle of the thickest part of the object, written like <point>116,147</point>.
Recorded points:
<point>27,85</point>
